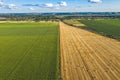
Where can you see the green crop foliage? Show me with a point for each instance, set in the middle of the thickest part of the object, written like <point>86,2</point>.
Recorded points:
<point>29,51</point>
<point>110,28</point>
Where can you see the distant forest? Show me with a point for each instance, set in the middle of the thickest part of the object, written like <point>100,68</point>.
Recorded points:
<point>58,16</point>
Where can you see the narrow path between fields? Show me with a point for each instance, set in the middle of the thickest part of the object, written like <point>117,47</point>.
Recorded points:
<point>88,56</point>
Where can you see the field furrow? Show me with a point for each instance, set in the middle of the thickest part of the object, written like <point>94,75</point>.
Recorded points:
<point>88,56</point>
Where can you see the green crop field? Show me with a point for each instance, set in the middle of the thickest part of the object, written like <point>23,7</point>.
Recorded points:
<point>110,28</point>
<point>29,51</point>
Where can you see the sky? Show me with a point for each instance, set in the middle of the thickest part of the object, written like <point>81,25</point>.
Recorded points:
<point>40,6</point>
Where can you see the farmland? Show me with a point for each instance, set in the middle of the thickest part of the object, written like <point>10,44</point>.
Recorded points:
<point>109,28</point>
<point>74,22</point>
<point>29,51</point>
<point>88,56</point>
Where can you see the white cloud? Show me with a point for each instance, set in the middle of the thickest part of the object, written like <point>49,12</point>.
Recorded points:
<point>31,8</point>
<point>48,5</point>
<point>95,1</point>
<point>55,6</point>
<point>62,4</point>
<point>11,6</point>
<point>7,6</point>
<point>1,4</point>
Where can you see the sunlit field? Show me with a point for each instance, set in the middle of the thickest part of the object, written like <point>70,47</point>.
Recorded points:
<point>29,51</point>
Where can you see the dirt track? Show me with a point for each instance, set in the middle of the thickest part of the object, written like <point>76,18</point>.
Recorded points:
<point>88,56</point>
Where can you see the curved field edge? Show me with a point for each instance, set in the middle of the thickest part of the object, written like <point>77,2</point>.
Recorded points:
<point>109,28</point>
<point>29,51</point>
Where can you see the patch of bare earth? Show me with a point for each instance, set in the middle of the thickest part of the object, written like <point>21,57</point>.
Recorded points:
<point>88,56</point>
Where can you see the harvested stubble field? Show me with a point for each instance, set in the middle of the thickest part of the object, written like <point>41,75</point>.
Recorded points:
<point>29,51</point>
<point>88,56</point>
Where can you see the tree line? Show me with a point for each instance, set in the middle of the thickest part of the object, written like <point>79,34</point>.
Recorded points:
<point>39,17</point>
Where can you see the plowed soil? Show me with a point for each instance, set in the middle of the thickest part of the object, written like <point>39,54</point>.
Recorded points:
<point>88,56</point>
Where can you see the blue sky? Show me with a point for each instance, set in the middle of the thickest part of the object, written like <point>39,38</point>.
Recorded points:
<point>26,6</point>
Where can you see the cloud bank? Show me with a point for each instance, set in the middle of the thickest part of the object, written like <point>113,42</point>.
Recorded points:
<point>58,5</point>
<point>48,5</point>
<point>7,6</point>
